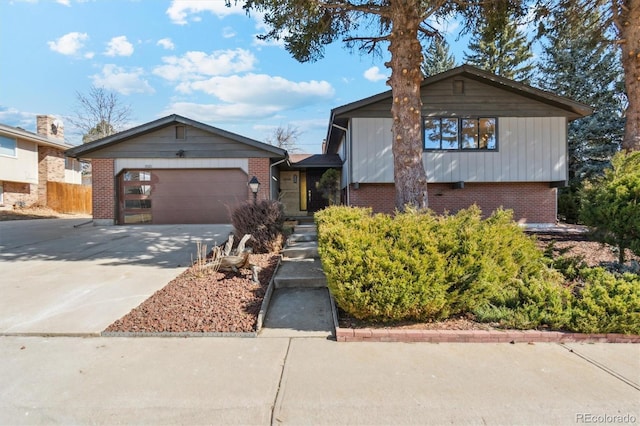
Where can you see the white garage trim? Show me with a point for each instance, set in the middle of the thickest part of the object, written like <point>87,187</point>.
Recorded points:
<point>181,163</point>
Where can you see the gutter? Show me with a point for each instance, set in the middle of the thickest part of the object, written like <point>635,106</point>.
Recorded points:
<point>347,141</point>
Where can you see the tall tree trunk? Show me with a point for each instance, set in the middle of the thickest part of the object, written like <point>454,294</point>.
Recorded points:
<point>628,24</point>
<point>406,57</point>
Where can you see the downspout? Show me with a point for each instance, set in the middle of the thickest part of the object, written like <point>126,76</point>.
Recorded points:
<point>271,172</point>
<point>347,141</point>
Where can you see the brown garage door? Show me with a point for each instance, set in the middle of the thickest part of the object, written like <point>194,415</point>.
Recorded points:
<point>181,195</point>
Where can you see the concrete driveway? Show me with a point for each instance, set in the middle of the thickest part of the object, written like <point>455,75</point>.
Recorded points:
<point>57,277</point>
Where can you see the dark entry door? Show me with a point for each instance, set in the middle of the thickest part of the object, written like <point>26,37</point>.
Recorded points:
<point>315,200</point>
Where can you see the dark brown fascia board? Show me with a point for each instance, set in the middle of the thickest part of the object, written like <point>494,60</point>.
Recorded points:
<point>473,73</point>
<point>480,75</point>
<point>98,144</point>
<point>33,137</point>
<point>561,102</point>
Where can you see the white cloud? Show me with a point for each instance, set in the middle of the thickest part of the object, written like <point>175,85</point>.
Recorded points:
<point>228,32</point>
<point>180,10</point>
<point>199,65</point>
<point>166,43</point>
<point>221,112</point>
<point>64,2</point>
<point>15,118</point>
<point>261,89</point>
<point>374,74</point>
<point>250,97</point>
<point>122,81</point>
<point>69,44</point>
<point>119,46</point>
<point>264,28</point>
<point>444,25</point>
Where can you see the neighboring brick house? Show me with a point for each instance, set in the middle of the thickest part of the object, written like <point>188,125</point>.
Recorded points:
<point>487,140</point>
<point>176,170</point>
<point>29,160</point>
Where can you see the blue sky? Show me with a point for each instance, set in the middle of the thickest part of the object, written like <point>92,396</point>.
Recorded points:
<point>195,58</point>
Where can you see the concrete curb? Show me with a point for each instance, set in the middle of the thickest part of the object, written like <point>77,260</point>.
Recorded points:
<point>50,334</point>
<point>477,336</point>
<point>175,334</point>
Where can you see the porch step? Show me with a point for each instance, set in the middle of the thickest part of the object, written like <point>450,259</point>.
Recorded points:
<point>301,250</point>
<point>305,228</point>
<point>301,237</point>
<point>300,273</point>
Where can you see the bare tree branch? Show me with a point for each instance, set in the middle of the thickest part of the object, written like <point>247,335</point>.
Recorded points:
<point>99,113</point>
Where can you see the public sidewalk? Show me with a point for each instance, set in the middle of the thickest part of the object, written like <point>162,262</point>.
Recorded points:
<point>293,381</point>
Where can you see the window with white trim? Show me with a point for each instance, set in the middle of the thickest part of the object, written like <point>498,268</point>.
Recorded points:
<point>460,134</point>
<point>8,146</point>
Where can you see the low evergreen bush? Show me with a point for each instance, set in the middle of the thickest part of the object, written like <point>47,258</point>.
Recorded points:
<point>419,266</point>
<point>611,204</point>
<point>264,220</point>
<point>423,267</point>
<point>607,303</point>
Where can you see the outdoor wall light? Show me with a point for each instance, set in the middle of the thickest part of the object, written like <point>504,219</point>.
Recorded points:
<point>254,184</point>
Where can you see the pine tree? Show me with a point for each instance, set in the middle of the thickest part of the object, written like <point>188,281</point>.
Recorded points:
<point>437,57</point>
<point>578,64</point>
<point>499,47</point>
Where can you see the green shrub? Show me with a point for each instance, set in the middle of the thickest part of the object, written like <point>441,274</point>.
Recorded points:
<point>608,303</point>
<point>376,271</point>
<point>611,204</point>
<point>264,220</point>
<point>419,266</point>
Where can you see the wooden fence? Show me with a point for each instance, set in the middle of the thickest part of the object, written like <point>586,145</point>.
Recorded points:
<point>69,197</point>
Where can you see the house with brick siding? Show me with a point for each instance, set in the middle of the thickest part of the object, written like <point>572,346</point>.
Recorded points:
<point>29,160</point>
<point>176,170</point>
<point>486,140</point>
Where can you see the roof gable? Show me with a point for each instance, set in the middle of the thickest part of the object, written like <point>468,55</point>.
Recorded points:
<point>486,93</point>
<point>152,140</point>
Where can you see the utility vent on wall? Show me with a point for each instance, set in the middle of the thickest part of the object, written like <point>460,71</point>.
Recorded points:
<point>458,87</point>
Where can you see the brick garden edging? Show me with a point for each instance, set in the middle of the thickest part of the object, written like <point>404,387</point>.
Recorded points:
<point>476,336</point>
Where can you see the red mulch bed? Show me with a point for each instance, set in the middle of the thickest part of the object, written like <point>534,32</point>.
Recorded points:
<point>225,302</point>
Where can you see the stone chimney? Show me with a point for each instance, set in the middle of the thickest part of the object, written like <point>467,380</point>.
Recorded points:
<point>50,127</point>
<point>51,160</point>
<point>324,146</point>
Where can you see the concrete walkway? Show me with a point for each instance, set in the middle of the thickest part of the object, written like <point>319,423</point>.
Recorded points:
<point>300,305</point>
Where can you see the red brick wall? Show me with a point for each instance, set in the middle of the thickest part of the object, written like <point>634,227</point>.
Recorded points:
<point>380,196</point>
<point>18,194</point>
<point>103,182</point>
<point>532,202</point>
<point>259,167</point>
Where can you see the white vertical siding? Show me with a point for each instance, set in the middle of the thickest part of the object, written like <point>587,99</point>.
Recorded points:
<point>371,150</point>
<point>530,149</point>
<point>24,166</point>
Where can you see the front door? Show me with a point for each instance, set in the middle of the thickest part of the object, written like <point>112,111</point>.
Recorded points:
<point>315,200</point>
